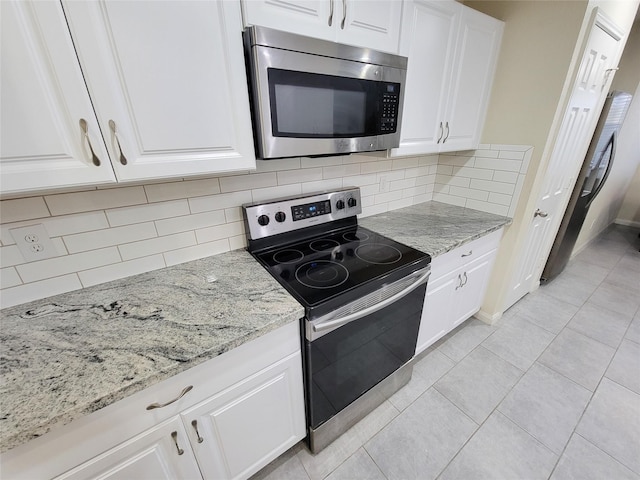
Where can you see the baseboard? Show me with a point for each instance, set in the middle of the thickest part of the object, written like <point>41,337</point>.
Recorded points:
<point>487,317</point>
<point>626,223</point>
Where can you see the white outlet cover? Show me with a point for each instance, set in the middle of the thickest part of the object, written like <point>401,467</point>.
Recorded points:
<point>34,242</point>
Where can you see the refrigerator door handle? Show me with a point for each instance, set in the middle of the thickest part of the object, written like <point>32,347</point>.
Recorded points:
<point>613,141</point>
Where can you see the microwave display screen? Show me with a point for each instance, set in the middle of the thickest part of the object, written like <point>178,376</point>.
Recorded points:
<point>311,105</point>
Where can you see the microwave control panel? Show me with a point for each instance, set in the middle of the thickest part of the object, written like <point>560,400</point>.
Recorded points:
<point>390,100</point>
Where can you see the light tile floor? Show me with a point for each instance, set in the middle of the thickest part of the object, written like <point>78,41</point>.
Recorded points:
<point>551,391</point>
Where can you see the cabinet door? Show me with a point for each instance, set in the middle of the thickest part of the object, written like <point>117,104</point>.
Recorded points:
<point>428,38</point>
<point>246,426</point>
<point>438,311</point>
<point>477,52</point>
<point>475,277</point>
<point>43,99</point>
<point>369,23</point>
<point>167,80</point>
<point>160,453</point>
<point>313,18</point>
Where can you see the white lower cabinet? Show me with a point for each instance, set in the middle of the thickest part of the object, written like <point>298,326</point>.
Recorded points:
<point>459,280</point>
<point>244,408</point>
<point>160,453</point>
<point>236,433</point>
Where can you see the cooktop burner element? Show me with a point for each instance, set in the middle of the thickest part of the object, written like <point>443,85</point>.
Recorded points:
<point>288,256</point>
<point>379,253</point>
<point>323,245</point>
<point>322,274</point>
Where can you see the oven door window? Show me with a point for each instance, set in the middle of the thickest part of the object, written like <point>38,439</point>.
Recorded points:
<point>349,361</point>
<point>310,105</point>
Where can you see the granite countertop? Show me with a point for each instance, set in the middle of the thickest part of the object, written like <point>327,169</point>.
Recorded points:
<point>434,227</point>
<point>69,355</point>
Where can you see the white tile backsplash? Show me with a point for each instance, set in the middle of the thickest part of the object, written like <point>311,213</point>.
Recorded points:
<point>108,233</point>
<point>76,202</point>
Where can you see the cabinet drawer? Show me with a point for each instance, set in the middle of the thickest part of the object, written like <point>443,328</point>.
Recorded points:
<point>454,259</point>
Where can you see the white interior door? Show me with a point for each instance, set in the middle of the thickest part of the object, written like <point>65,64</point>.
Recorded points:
<point>589,91</point>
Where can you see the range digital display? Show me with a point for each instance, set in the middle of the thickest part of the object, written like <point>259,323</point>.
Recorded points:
<point>308,210</point>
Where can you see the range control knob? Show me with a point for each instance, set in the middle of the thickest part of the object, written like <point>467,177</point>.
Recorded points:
<point>280,217</point>
<point>352,202</point>
<point>263,220</point>
<point>340,204</point>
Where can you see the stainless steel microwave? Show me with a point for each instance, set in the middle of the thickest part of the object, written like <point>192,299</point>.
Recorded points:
<point>312,97</point>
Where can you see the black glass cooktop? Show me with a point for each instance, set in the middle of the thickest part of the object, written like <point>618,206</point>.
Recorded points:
<point>346,261</point>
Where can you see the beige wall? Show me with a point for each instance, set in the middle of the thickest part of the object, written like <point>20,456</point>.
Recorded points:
<point>537,50</point>
<point>541,49</point>
<point>629,213</point>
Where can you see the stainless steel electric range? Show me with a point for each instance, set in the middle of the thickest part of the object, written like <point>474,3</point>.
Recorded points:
<point>363,295</point>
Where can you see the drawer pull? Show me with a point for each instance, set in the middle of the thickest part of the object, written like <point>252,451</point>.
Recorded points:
<point>160,405</point>
<point>344,14</point>
<point>174,435</point>
<point>330,12</point>
<point>85,132</point>
<point>459,282</point>
<point>467,254</point>
<point>447,127</point>
<point>466,279</point>
<point>194,424</point>
<point>441,133</point>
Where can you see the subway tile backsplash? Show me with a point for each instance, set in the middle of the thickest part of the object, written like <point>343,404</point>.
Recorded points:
<point>103,234</point>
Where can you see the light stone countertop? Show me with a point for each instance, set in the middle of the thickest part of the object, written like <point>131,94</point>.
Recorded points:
<point>433,227</point>
<point>69,355</point>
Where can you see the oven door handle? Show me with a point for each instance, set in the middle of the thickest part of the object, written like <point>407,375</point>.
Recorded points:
<point>373,308</point>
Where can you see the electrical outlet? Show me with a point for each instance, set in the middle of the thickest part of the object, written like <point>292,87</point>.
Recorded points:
<point>384,184</point>
<point>34,242</point>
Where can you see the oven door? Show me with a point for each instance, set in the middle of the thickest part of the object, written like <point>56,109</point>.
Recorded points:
<point>347,356</point>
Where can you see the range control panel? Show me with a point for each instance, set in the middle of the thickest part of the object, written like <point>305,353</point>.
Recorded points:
<point>292,213</point>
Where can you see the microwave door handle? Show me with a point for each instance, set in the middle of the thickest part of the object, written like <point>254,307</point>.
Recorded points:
<point>373,308</point>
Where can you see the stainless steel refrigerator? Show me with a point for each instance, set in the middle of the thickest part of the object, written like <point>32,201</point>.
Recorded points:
<point>594,172</point>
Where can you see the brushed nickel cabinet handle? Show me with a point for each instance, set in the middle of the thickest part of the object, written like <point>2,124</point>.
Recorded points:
<point>184,391</point>
<point>466,279</point>
<point>459,282</point>
<point>112,126</point>
<point>85,131</point>
<point>467,254</point>
<point>330,12</point>
<point>540,213</point>
<point>441,133</point>
<point>447,127</point>
<point>344,13</point>
<point>194,424</point>
<point>174,435</point>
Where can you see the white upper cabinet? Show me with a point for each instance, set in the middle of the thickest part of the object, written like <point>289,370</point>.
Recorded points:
<point>453,52</point>
<point>43,99</point>
<point>167,80</point>
<point>160,89</point>
<point>366,23</point>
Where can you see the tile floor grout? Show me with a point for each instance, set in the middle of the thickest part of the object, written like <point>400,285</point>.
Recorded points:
<point>465,455</point>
